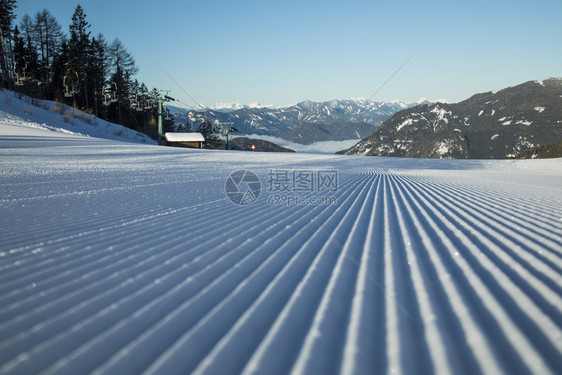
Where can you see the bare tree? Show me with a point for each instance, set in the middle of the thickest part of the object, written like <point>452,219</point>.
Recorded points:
<point>48,36</point>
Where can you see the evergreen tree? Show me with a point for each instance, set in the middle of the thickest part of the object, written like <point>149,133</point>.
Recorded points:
<point>20,64</point>
<point>58,71</point>
<point>78,49</point>
<point>6,17</point>
<point>27,49</point>
<point>97,70</point>
<point>123,67</point>
<point>210,133</point>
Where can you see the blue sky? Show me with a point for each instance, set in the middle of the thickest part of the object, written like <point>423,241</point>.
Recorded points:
<point>287,51</point>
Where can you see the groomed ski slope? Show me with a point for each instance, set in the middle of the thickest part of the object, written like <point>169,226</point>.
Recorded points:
<point>123,258</point>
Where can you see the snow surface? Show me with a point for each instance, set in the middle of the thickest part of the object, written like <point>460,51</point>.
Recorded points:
<point>120,257</point>
<point>19,110</point>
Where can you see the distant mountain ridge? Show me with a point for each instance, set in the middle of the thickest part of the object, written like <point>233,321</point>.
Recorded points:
<point>229,107</point>
<point>305,122</point>
<point>496,124</point>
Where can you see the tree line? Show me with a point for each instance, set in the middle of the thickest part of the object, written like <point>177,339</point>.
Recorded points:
<point>39,59</point>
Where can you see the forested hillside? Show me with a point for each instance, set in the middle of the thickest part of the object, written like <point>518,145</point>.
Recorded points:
<point>40,59</point>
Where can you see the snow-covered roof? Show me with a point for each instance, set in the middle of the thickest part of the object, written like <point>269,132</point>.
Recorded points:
<point>184,137</point>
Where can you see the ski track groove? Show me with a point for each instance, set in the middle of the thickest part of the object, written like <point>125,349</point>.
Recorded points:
<point>507,325</point>
<point>501,217</point>
<point>176,352</point>
<point>54,303</point>
<point>243,233</point>
<point>505,239</point>
<point>412,271</point>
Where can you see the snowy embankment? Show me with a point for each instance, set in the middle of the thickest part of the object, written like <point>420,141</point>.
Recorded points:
<point>128,258</point>
<point>20,110</point>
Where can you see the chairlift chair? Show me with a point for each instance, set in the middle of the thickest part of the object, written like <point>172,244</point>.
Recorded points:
<point>67,92</point>
<point>70,90</point>
<point>114,98</point>
<point>20,78</point>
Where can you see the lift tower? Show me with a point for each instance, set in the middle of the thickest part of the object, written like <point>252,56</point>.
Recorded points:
<point>161,96</point>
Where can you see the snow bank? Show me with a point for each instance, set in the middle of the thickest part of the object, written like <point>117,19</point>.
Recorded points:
<point>22,111</point>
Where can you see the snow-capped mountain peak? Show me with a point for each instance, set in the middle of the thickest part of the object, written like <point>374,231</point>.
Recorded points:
<point>231,107</point>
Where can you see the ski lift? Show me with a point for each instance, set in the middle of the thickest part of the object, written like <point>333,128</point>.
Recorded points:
<point>135,104</point>
<point>71,88</point>
<point>110,93</point>
<point>114,98</point>
<point>106,97</point>
<point>20,78</point>
<point>166,112</point>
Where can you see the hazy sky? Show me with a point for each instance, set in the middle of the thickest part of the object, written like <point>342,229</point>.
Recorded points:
<point>287,51</point>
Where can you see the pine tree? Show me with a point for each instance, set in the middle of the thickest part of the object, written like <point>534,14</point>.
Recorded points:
<point>21,67</point>
<point>98,69</point>
<point>58,71</point>
<point>210,133</point>
<point>6,17</point>
<point>78,48</point>
<point>28,49</point>
<point>123,66</point>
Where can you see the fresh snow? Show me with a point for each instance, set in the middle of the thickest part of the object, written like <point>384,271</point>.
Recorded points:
<point>540,109</point>
<point>120,257</point>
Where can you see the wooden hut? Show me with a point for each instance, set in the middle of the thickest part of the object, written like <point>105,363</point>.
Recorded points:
<point>191,140</point>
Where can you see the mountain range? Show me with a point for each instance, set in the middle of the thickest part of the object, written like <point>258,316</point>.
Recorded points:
<point>305,122</point>
<point>495,124</point>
